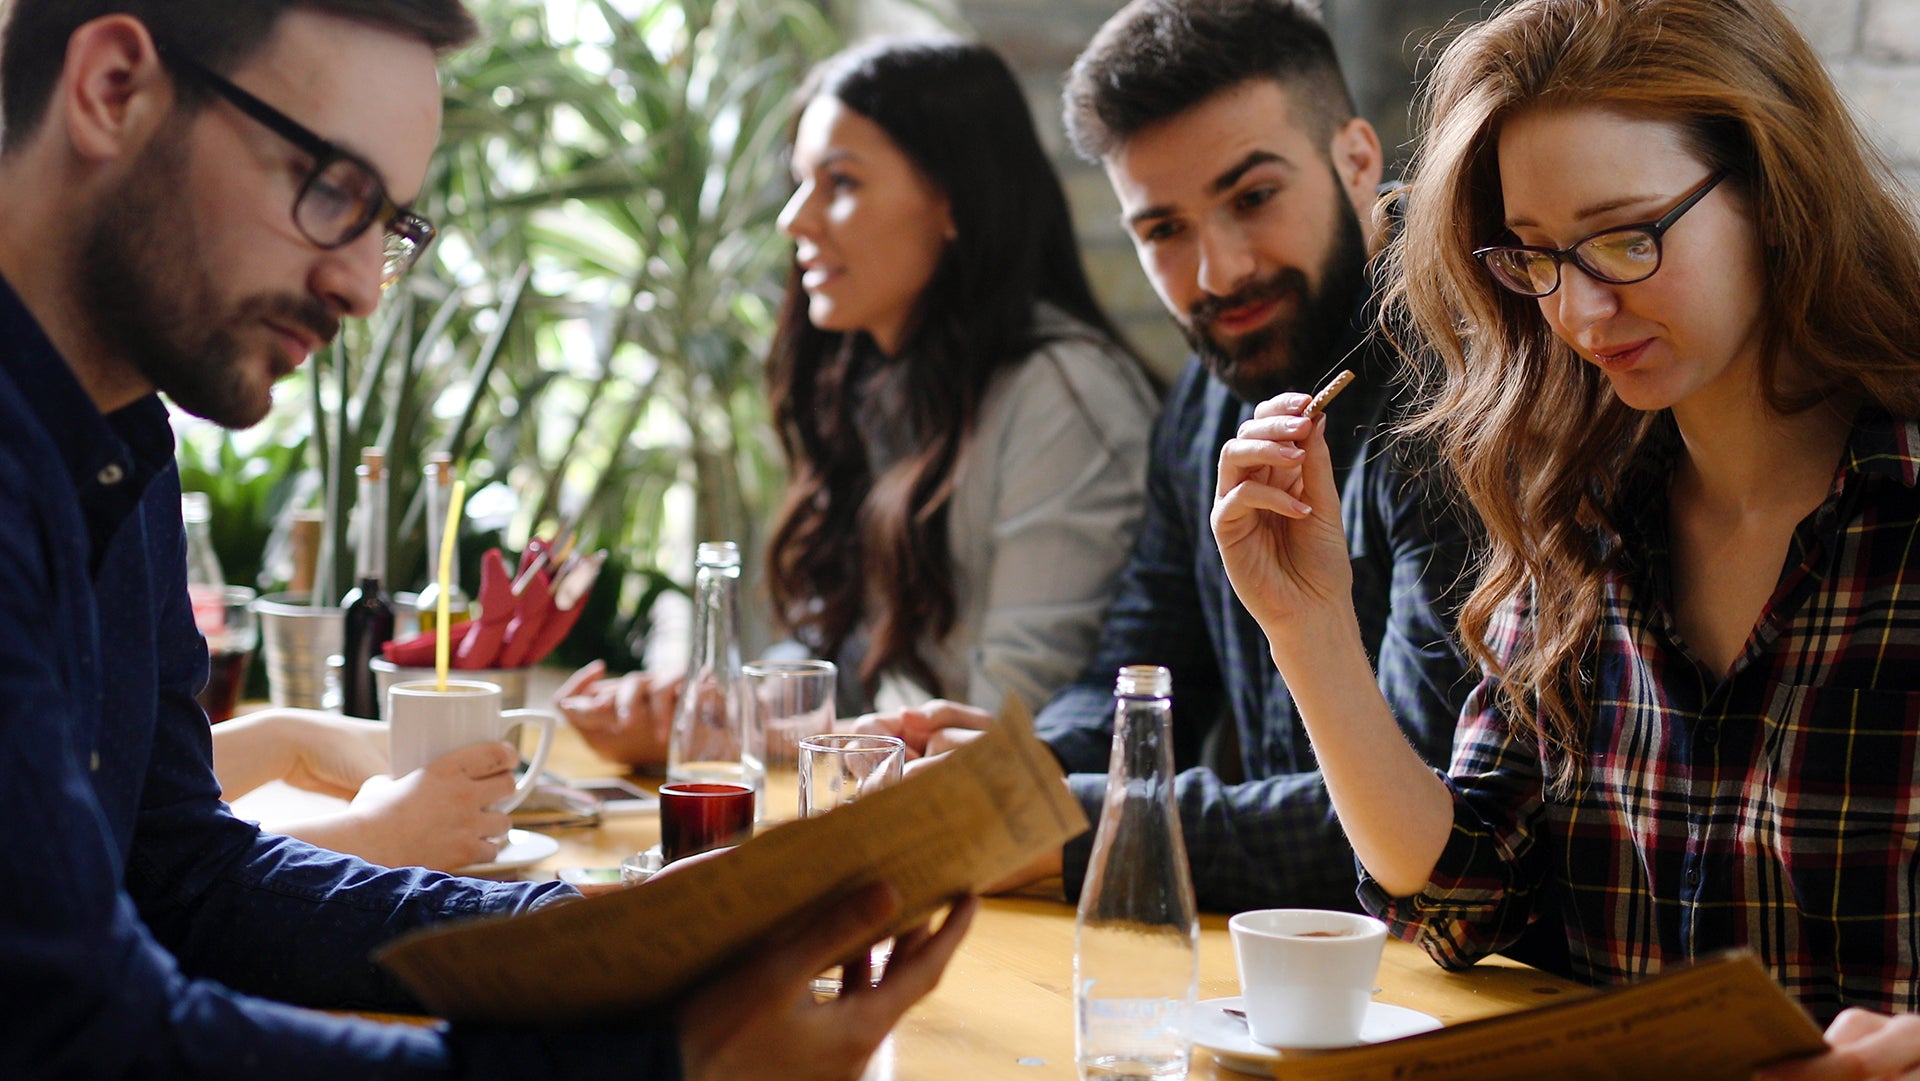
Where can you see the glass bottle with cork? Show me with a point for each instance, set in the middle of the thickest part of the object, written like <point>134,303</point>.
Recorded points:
<point>439,487</point>
<point>368,612</point>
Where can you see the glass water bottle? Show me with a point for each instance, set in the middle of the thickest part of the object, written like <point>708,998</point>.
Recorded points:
<point>1136,937</point>
<point>713,738</point>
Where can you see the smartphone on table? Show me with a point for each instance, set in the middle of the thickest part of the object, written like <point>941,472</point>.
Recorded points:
<point>617,795</point>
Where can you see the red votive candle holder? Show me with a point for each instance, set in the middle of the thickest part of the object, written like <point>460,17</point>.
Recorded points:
<point>698,817</point>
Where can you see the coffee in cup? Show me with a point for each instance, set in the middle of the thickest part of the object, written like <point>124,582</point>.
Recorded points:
<point>1306,974</point>
<point>425,722</point>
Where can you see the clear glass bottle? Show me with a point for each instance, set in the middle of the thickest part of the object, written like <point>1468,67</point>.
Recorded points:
<point>206,582</point>
<point>368,617</point>
<point>713,737</point>
<point>1136,936</point>
<point>439,483</point>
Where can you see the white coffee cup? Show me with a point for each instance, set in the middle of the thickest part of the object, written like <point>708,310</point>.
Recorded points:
<point>424,722</point>
<point>1306,974</point>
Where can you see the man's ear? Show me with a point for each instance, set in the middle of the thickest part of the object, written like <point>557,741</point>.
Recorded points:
<point>1357,160</point>
<point>113,92</point>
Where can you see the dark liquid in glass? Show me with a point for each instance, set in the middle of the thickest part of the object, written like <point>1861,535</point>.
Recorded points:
<point>226,677</point>
<point>698,817</point>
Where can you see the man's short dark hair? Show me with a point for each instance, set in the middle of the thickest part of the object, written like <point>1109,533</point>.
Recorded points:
<point>1155,59</point>
<point>219,33</point>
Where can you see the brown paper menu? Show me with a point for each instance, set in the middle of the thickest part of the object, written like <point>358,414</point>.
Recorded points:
<point>1715,1020</point>
<point>950,828</point>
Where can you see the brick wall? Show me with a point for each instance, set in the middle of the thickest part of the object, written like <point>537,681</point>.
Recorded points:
<point>1871,46</point>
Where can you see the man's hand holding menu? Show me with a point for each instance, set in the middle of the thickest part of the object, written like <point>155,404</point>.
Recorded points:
<point>950,830</point>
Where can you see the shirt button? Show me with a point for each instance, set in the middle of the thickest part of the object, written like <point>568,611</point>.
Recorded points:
<point>1693,876</point>
<point>112,474</point>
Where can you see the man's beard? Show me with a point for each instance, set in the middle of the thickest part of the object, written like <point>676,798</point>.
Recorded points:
<point>145,281</point>
<point>1268,361</point>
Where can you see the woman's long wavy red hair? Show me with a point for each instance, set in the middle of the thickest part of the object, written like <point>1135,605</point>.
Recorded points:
<point>1534,435</point>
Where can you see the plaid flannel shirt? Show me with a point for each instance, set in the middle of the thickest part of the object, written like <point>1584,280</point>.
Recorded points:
<point>1776,808</point>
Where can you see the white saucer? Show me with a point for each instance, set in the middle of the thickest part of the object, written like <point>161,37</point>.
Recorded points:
<point>1226,1035</point>
<point>524,848</point>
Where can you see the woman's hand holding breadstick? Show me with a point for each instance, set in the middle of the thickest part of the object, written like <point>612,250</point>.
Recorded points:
<point>1276,514</point>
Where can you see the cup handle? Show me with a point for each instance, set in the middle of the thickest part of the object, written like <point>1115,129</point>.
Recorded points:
<point>548,724</point>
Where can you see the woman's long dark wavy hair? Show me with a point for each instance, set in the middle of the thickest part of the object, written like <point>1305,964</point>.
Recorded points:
<point>850,548</point>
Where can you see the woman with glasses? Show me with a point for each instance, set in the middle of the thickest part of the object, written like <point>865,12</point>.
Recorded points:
<point>1675,306</point>
<point>965,433</point>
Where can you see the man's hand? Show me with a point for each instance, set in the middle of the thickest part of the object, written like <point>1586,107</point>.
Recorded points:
<point>624,720</point>
<point>937,726</point>
<point>1861,1045</point>
<point>758,1019</point>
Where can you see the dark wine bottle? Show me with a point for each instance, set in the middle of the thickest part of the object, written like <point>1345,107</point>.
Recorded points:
<point>368,612</point>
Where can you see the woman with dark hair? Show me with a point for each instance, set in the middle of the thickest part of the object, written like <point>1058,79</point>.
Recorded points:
<point>967,435</point>
<point>1675,302</point>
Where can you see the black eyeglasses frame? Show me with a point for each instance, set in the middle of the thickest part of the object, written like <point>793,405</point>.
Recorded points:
<point>400,223</point>
<point>1656,229</point>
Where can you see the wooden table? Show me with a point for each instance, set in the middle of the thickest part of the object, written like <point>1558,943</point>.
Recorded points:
<point>1005,1006</point>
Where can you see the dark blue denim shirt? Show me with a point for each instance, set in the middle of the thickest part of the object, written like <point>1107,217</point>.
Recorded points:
<point>145,932</point>
<point>1269,837</point>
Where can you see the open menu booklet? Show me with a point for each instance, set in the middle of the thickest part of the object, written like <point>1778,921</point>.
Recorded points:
<point>950,828</point>
<point>1715,1020</point>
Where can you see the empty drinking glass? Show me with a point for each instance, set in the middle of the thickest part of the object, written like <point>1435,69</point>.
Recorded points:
<point>789,700</point>
<point>837,769</point>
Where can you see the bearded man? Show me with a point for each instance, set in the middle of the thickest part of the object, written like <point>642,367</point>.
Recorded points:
<point>1244,176</point>
<point>193,195</point>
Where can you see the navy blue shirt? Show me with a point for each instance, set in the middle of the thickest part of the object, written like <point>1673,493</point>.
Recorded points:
<point>1270,838</point>
<point>145,931</point>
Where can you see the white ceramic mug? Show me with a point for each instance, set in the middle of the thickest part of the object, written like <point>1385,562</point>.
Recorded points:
<point>424,723</point>
<point>1306,974</point>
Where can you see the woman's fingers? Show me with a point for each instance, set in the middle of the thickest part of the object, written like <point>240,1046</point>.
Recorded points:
<point>1247,502</point>
<point>580,680</point>
<point>1860,1045</point>
<point>1293,402</point>
<point>1264,461</point>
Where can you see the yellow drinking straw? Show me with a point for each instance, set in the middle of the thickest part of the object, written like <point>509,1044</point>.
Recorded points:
<point>442,633</point>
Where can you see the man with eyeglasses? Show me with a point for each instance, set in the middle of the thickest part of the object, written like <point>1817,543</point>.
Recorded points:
<point>193,195</point>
